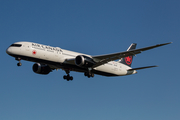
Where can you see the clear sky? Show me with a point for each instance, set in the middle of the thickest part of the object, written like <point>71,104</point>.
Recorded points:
<point>93,27</point>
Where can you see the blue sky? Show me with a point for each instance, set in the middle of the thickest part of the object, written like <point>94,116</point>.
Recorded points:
<point>93,27</point>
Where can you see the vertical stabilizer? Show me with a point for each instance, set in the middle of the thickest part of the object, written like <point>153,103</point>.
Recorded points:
<point>128,60</point>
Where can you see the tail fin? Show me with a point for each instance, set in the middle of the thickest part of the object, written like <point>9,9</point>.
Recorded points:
<point>128,60</point>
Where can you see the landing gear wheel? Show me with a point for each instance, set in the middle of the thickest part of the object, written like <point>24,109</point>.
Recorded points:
<point>19,64</point>
<point>71,78</point>
<point>92,74</point>
<point>65,77</point>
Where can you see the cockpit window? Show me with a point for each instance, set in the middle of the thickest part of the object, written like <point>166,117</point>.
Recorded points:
<point>16,45</point>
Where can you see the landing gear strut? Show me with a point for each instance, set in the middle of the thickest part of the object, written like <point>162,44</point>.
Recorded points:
<point>89,73</point>
<point>19,59</point>
<point>67,77</point>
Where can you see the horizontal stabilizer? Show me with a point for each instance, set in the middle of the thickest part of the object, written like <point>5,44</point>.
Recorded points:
<point>142,68</point>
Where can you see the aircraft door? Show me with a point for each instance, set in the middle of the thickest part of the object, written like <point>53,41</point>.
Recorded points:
<point>27,47</point>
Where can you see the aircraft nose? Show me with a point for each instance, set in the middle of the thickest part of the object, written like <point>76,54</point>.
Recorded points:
<point>8,51</point>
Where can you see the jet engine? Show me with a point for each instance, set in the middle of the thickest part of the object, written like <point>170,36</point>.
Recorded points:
<point>84,61</point>
<point>41,69</point>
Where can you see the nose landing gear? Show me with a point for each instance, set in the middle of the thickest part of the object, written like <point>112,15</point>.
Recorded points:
<point>19,59</point>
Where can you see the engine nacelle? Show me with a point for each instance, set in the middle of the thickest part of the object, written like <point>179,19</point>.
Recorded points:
<point>41,69</point>
<point>84,61</point>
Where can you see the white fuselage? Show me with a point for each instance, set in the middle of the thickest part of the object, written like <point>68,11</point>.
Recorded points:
<point>56,58</point>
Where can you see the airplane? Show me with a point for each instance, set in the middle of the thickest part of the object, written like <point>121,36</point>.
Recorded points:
<point>49,58</point>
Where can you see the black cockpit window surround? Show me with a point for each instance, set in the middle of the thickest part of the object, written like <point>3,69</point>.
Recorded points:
<point>16,45</point>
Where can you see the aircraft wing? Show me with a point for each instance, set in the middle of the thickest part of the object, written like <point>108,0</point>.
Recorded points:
<point>102,59</point>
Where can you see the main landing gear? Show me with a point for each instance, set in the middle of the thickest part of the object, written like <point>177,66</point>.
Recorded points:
<point>89,73</point>
<point>19,59</point>
<point>67,77</point>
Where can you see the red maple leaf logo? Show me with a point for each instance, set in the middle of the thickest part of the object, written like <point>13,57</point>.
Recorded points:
<point>34,52</point>
<point>128,60</point>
